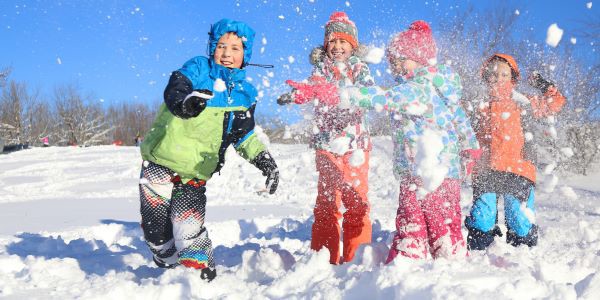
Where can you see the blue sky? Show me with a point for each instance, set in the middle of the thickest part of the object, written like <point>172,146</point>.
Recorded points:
<point>124,50</point>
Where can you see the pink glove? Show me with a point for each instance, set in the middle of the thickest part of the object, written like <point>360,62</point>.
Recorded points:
<point>304,91</point>
<point>326,92</point>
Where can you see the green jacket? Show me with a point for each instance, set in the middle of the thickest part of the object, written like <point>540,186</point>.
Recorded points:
<point>195,147</point>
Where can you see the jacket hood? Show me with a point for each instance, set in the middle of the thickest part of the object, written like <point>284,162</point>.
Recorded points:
<point>241,29</point>
<point>509,59</point>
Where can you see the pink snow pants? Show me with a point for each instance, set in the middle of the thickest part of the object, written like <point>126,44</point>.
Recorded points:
<point>431,224</point>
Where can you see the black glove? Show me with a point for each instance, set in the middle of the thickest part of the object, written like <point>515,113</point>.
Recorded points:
<point>285,99</point>
<point>537,81</point>
<point>195,104</point>
<point>264,162</point>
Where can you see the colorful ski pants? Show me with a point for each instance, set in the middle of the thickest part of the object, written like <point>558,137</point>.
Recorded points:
<point>341,183</point>
<point>519,211</point>
<point>431,224</point>
<point>173,218</point>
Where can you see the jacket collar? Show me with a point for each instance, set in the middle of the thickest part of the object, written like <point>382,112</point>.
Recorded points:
<point>226,74</point>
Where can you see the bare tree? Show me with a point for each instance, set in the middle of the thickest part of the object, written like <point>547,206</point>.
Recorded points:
<point>80,122</point>
<point>4,73</point>
<point>130,120</point>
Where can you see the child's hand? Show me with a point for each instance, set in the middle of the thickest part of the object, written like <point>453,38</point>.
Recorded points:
<point>285,99</point>
<point>195,103</point>
<point>264,162</point>
<point>537,81</point>
<point>303,92</point>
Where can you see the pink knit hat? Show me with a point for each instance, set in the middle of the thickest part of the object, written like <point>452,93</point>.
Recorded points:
<point>340,26</point>
<point>416,44</point>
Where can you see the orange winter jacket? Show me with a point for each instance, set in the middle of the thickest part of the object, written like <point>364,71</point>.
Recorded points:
<point>499,128</point>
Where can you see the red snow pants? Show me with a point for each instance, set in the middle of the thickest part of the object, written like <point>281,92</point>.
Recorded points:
<point>432,222</point>
<point>341,183</point>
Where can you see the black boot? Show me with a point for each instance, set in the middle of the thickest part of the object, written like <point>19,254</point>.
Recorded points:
<point>479,240</point>
<point>208,274</point>
<point>530,239</point>
<point>160,263</point>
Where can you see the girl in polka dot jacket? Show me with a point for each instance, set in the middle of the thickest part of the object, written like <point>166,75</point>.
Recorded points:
<point>430,131</point>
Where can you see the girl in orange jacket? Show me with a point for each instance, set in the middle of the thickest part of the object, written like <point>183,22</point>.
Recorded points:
<point>503,170</point>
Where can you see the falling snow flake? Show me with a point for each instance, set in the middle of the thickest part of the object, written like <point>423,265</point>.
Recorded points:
<point>553,35</point>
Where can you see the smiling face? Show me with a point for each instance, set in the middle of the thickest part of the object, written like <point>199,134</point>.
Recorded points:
<point>339,49</point>
<point>230,51</point>
<point>498,73</point>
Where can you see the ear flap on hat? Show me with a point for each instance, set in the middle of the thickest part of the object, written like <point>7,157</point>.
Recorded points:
<point>361,51</point>
<point>316,55</point>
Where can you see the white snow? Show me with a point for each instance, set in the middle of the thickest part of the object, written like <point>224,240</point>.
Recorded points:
<point>589,5</point>
<point>374,55</point>
<point>553,35</point>
<point>219,85</point>
<point>429,167</point>
<point>69,229</point>
<point>566,151</point>
<point>291,59</point>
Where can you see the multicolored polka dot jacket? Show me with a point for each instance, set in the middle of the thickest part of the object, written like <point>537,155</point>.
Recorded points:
<point>426,100</point>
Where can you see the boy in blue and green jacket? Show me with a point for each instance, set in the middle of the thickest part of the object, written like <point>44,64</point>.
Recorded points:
<point>209,105</point>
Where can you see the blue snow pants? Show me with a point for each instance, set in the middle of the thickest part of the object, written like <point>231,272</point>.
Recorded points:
<point>519,197</point>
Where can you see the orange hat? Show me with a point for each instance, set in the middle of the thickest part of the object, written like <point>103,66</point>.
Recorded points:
<point>512,63</point>
<point>341,27</point>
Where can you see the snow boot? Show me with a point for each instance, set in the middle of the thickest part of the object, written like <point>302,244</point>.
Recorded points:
<point>162,264</point>
<point>530,239</point>
<point>479,240</point>
<point>208,274</point>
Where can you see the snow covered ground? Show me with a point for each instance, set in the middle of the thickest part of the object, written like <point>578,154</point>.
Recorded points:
<point>69,229</point>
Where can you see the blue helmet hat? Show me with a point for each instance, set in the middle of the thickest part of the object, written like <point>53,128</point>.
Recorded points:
<point>241,29</point>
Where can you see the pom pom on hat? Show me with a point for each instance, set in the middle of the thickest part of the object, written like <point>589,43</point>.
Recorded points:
<point>340,26</point>
<point>416,43</point>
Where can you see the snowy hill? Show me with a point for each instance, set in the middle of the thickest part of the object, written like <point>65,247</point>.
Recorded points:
<point>69,229</point>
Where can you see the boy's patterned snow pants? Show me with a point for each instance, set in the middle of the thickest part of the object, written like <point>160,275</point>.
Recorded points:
<point>173,218</point>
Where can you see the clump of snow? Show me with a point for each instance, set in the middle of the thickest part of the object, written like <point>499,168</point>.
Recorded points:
<point>416,108</point>
<point>573,41</point>
<point>291,59</point>
<point>505,115</point>
<point>517,12</point>
<point>589,5</point>
<point>374,55</point>
<point>428,165</point>
<point>357,158</point>
<point>568,192</point>
<point>340,145</point>
<point>219,85</point>
<point>550,183</point>
<point>566,151</point>
<point>553,35</point>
